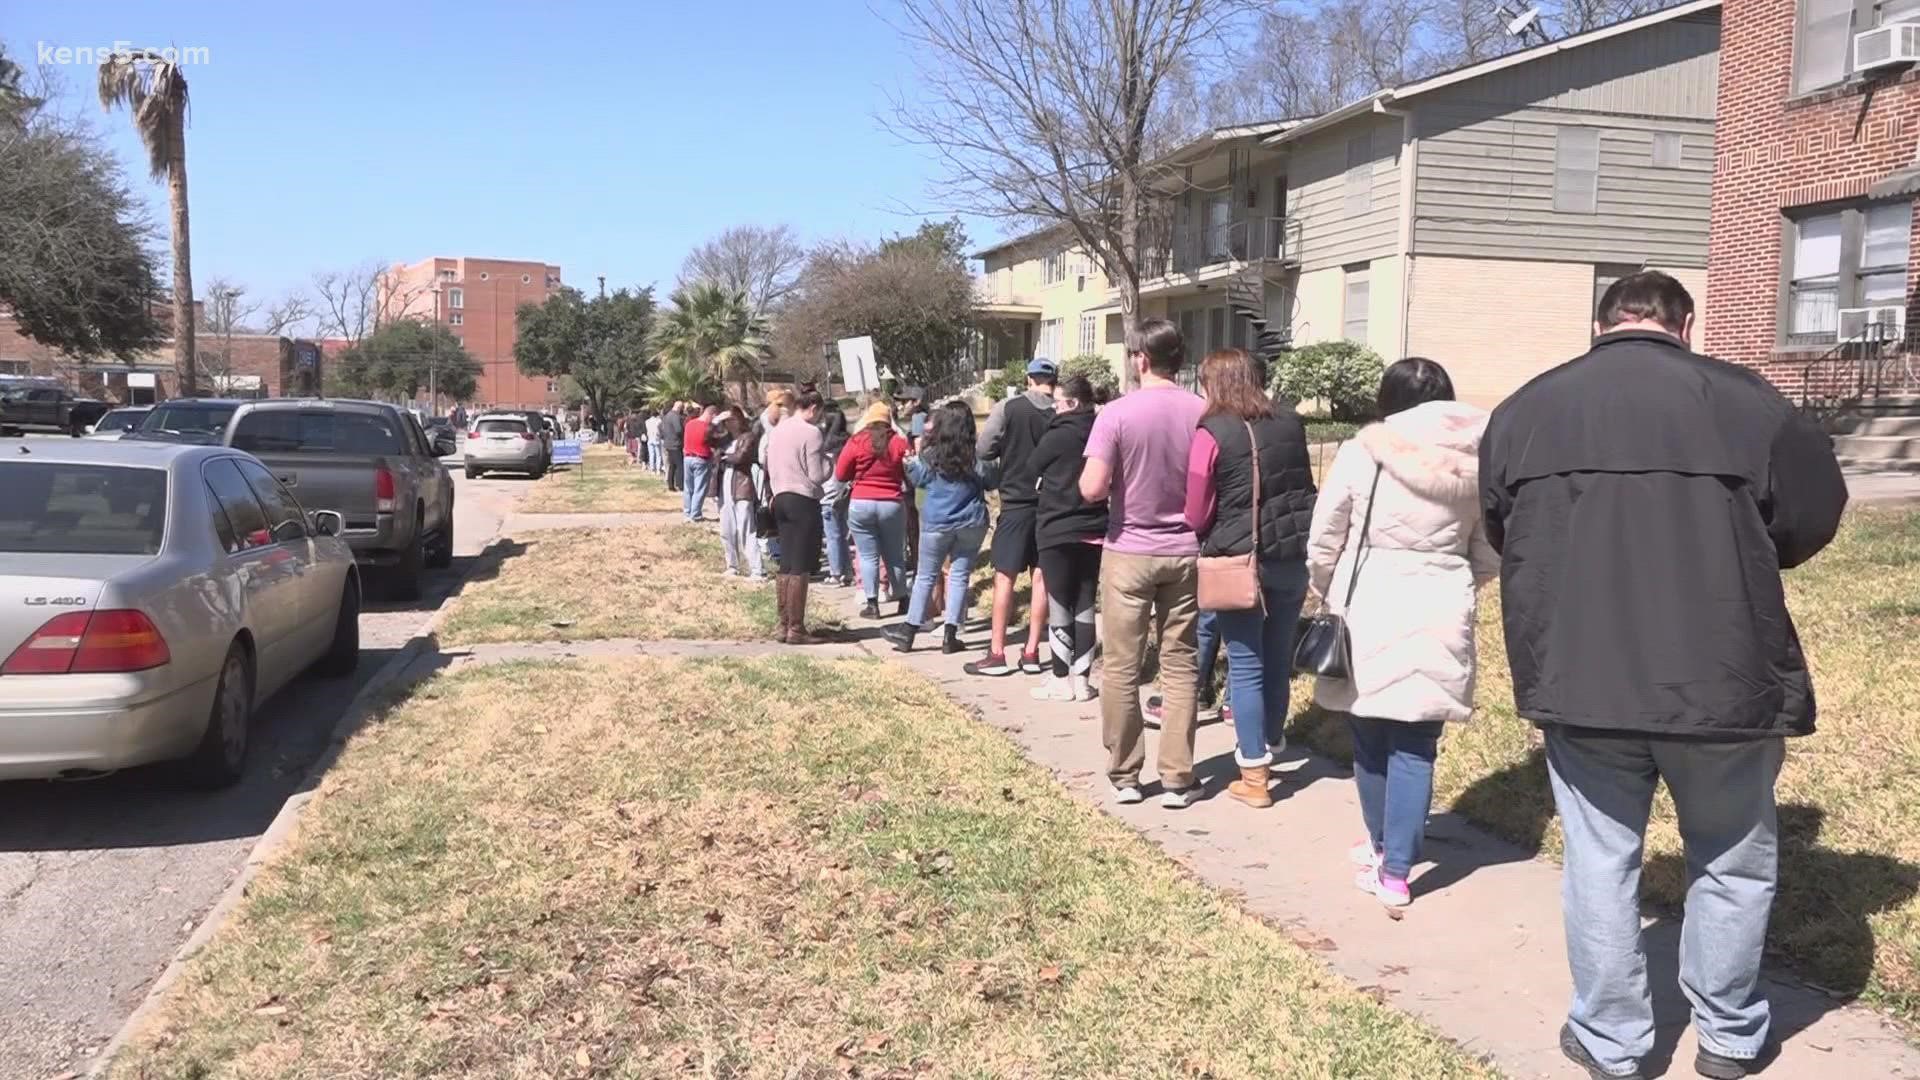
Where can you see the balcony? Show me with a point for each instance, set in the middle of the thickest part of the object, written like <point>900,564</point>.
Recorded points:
<point>994,295</point>
<point>1240,242</point>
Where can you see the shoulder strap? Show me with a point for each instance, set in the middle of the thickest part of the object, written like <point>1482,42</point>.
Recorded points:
<point>1366,531</point>
<point>1255,502</point>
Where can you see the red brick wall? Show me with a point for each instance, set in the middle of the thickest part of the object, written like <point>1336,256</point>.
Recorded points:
<point>1774,152</point>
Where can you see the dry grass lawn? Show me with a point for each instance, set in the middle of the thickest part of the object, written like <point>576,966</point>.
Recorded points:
<point>653,582</point>
<point>776,869</point>
<point>1847,916</point>
<point>604,484</point>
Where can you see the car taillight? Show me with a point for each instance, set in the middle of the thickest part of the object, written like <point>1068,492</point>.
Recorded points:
<point>81,642</point>
<point>528,436</point>
<point>383,490</point>
<point>474,434</point>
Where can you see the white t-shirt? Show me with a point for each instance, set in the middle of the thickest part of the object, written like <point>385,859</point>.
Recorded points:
<point>653,428</point>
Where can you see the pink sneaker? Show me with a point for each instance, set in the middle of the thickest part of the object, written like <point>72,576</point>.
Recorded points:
<point>1390,891</point>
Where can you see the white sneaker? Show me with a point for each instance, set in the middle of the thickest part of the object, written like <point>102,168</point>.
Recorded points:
<point>1370,881</point>
<point>729,572</point>
<point>1081,688</point>
<point>1180,798</point>
<point>1127,796</point>
<point>1362,854</point>
<point>1053,689</point>
<point>1275,749</point>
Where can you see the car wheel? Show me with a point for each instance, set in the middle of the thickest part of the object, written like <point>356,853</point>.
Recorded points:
<point>442,555</point>
<point>221,758</point>
<point>403,582</point>
<point>76,427</point>
<point>344,654</point>
<point>473,473</point>
<point>539,471</point>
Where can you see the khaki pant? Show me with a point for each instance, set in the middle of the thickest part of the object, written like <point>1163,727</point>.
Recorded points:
<point>1136,591</point>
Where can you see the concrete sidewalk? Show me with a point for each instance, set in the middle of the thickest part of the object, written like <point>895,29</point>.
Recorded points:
<point>1480,955</point>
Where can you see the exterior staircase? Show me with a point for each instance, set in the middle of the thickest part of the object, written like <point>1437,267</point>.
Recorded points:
<point>1879,433</point>
<point>1247,298</point>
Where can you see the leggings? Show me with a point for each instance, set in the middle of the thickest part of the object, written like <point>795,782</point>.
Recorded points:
<point>1072,574</point>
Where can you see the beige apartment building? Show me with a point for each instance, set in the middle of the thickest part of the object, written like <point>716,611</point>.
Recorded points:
<point>476,300</point>
<point>1473,217</point>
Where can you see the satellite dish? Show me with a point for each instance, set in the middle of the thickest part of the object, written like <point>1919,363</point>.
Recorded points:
<point>1525,21</point>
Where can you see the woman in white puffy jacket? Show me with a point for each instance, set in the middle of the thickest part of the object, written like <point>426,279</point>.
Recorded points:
<point>1411,616</point>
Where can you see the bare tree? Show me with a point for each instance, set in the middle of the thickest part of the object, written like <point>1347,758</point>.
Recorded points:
<point>354,302</point>
<point>224,313</point>
<point>762,261</point>
<point>1055,112</point>
<point>286,315</point>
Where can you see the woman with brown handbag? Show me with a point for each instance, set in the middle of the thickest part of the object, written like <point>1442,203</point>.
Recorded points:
<point>1250,497</point>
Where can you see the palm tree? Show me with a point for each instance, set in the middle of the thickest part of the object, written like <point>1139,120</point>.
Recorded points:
<point>154,91</point>
<point>679,380</point>
<point>714,328</point>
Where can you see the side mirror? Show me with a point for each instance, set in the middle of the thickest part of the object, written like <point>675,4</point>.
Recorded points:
<point>327,522</point>
<point>443,444</point>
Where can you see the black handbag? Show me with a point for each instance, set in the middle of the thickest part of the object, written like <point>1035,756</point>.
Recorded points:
<point>1321,644</point>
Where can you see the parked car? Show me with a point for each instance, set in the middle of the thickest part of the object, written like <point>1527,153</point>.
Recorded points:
<point>538,422</point>
<point>47,408</point>
<point>151,594</point>
<point>118,422</point>
<point>505,442</point>
<point>196,420</point>
<point>371,463</point>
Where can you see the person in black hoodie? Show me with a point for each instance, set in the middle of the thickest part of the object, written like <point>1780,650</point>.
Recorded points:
<point>1068,532</point>
<point>1644,500</point>
<point>1012,430</point>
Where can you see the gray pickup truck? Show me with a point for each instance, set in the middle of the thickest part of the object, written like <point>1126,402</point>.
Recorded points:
<point>372,464</point>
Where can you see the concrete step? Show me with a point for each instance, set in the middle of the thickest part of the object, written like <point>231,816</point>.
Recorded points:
<point>1888,424</point>
<point>1878,447</point>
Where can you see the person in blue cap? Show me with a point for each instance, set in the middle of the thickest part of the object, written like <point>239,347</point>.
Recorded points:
<point>1012,430</point>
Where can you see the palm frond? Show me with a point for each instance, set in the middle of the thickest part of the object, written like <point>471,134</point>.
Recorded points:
<point>154,91</point>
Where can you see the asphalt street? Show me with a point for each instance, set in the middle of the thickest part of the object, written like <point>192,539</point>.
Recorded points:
<point>101,880</point>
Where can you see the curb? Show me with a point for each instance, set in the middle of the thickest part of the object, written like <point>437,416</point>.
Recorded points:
<point>358,709</point>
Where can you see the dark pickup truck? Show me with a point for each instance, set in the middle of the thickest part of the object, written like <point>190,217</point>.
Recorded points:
<point>371,463</point>
<point>47,408</point>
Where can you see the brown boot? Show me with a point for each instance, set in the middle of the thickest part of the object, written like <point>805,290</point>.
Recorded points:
<point>797,613</point>
<point>1251,788</point>
<point>780,597</point>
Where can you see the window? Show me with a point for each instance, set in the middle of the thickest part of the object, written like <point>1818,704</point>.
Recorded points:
<point>1666,149</point>
<point>484,275</point>
<point>1359,294</point>
<point>246,523</point>
<point>1089,333</point>
<point>1116,329</point>
<point>1053,269</point>
<point>1219,227</point>
<point>1360,173</point>
<point>54,507</point>
<point>1189,330</point>
<point>526,279</point>
<point>284,519</point>
<point>1216,330</point>
<point>1052,338</point>
<point>455,319</point>
<point>456,299</point>
<point>1576,169</point>
<point>446,275</point>
<point>1852,257</point>
<point>1823,36</point>
<point>269,431</point>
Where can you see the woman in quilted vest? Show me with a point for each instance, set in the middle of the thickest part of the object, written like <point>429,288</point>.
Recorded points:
<point>1250,492</point>
<point>1401,510</point>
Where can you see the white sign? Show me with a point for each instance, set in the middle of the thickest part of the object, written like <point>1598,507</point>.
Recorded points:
<point>140,378</point>
<point>857,367</point>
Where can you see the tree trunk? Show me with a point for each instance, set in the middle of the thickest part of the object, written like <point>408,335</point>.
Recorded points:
<point>183,355</point>
<point>1129,273</point>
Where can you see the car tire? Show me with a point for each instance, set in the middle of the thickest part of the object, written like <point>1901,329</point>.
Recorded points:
<point>221,758</point>
<point>403,581</point>
<point>76,427</point>
<point>538,472</point>
<point>473,473</point>
<point>343,655</point>
<point>441,556</point>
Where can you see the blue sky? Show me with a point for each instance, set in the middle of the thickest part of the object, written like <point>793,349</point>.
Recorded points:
<point>606,137</point>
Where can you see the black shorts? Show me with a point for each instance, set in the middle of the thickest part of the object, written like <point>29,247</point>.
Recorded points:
<point>1013,546</point>
<point>796,521</point>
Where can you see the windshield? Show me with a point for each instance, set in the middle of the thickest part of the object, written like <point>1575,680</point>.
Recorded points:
<point>120,420</point>
<point>81,509</point>
<point>270,431</point>
<point>498,427</point>
<point>203,418</point>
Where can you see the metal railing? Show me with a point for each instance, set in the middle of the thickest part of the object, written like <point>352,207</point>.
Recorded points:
<point>1177,250</point>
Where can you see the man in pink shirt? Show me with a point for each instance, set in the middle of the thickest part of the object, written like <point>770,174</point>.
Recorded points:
<point>1137,459</point>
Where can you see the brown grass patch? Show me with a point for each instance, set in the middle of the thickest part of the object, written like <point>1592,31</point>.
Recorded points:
<point>603,484</point>
<point>750,869</point>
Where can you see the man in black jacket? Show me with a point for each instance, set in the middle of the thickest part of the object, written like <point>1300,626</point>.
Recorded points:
<point>673,427</point>
<point>1011,432</point>
<point>1644,500</point>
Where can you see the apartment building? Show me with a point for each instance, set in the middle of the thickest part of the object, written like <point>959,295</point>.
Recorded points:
<point>1472,217</point>
<point>1816,167</point>
<point>476,300</point>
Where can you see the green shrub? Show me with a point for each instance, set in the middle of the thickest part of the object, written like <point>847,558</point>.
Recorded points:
<point>994,388</point>
<point>1342,375</point>
<point>1098,371</point>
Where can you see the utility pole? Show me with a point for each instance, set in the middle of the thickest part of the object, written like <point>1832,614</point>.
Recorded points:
<point>603,286</point>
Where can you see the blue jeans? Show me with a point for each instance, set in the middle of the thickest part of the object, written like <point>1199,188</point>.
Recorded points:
<point>880,535</point>
<point>696,489</point>
<point>1393,768</point>
<point>656,455</point>
<point>964,546</point>
<point>1259,659</point>
<point>836,533</point>
<point>1723,796</point>
<point>1208,633</point>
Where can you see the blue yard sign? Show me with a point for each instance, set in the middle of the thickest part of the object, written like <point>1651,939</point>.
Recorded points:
<point>567,452</point>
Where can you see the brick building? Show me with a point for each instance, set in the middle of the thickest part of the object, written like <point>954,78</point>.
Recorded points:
<point>236,365</point>
<point>1814,175</point>
<point>476,300</point>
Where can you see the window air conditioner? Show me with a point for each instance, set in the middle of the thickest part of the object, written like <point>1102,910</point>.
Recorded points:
<point>1886,323</point>
<point>1896,44</point>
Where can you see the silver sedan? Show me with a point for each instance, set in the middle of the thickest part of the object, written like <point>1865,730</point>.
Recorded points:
<point>150,595</point>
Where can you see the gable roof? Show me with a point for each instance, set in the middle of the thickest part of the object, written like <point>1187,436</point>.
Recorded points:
<point>1466,72</point>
